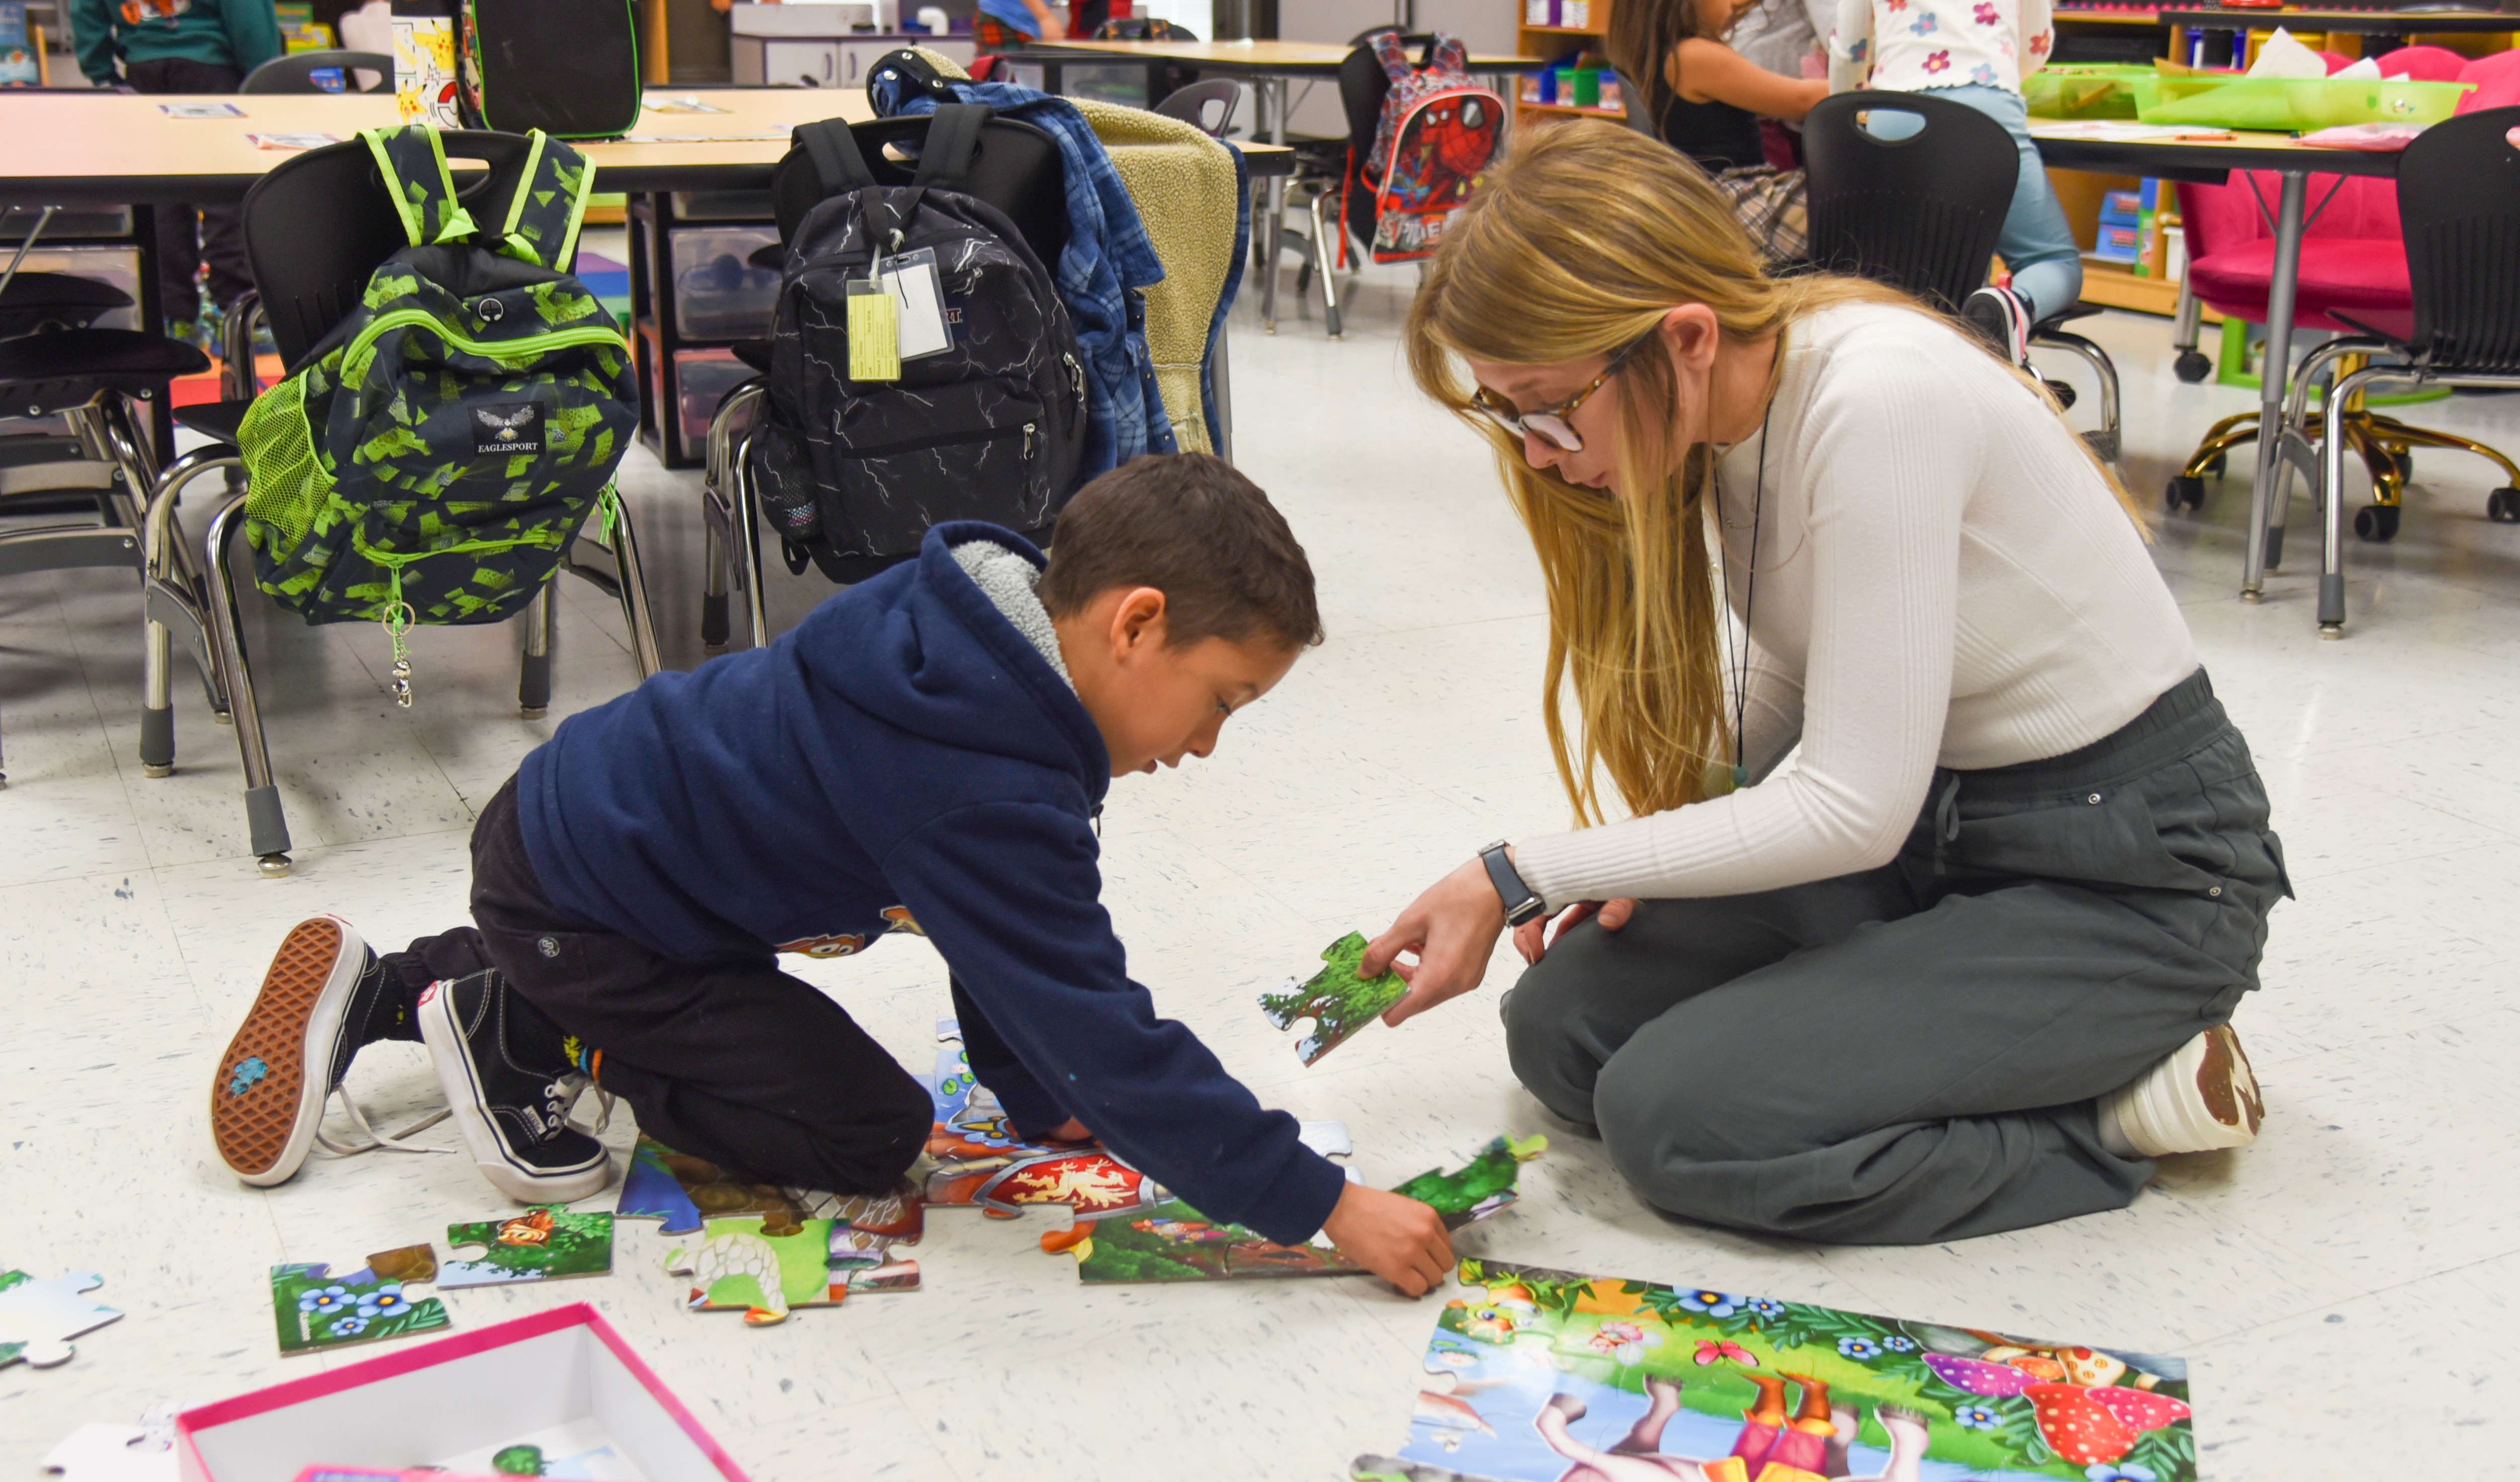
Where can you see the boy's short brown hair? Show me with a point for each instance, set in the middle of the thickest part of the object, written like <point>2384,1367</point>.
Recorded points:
<point>1192,528</point>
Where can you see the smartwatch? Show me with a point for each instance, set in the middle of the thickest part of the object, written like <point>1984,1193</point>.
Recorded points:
<point>1520,903</point>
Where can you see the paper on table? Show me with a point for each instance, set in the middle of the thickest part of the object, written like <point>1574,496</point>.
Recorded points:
<point>292,140</point>
<point>2364,70</point>
<point>2120,132</point>
<point>2375,137</point>
<point>201,110</point>
<point>2282,56</point>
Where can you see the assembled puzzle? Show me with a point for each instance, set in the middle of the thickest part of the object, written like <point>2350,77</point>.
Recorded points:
<point>544,1242</point>
<point>1338,998</point>
<point>1548,1375</point>
<point>315,1309</point>
<point>681,1191</point>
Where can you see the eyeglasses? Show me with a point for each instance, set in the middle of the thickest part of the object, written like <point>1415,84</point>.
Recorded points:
<point>1554,424</point>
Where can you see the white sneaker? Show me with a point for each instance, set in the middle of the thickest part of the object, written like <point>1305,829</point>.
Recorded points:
<point>2201,1099</point>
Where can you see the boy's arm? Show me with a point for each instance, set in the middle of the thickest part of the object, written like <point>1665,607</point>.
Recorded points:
<point>92,32</point>
<point>254,32</point>
<point>1850,46</point>
<point>1046,26</point>
<point>1029,1105</point>
<point>1010,895</point>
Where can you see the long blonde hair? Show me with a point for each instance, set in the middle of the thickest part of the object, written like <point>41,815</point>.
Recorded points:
<point>1576,245</point>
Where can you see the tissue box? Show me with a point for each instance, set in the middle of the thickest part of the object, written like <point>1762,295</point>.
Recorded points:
<point>559,1383</point>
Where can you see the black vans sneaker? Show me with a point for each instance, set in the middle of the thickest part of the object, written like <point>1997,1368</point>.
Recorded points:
<point>322,999</point>
<point>510,1085</point>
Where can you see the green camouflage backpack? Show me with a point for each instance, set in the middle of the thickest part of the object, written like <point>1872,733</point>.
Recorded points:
<point>430,458</point>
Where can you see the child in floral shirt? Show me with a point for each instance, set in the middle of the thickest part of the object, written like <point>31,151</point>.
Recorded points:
<point>1974,52</point>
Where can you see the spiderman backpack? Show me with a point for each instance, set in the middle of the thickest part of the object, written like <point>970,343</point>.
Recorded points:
<point>1437,134</point>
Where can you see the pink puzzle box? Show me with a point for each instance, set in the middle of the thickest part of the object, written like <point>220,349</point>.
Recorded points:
<point>562,1383</point>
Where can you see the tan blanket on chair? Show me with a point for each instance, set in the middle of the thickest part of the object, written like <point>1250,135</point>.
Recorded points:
<point>1183,182</point>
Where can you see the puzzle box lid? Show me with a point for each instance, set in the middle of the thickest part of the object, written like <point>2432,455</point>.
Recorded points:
<point>415,1405</point>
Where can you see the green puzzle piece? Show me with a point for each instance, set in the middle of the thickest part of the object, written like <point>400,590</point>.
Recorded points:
<point>1338,999</point>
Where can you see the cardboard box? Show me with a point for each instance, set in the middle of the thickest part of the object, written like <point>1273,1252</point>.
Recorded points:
<point>562,1381</point>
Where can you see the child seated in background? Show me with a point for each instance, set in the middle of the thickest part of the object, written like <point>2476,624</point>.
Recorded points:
<point>1707,101</point>
<point>1974,52</point>
<point>926,752</point>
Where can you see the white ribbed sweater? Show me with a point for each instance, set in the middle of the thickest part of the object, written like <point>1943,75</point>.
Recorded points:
<point>1943,578</point>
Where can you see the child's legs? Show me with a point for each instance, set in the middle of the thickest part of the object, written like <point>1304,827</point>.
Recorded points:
<point>736,1063</point>
<point>1926,1079</point>
<point>2037,241</point>
<point>1572,1011</point>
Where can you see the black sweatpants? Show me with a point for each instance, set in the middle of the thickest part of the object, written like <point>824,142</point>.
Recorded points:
<point>1912,1054</point>
<point>736,1063</point>
<point>220,228</point>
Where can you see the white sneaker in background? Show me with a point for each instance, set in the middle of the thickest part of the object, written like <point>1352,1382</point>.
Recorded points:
<point>2201,1099</point>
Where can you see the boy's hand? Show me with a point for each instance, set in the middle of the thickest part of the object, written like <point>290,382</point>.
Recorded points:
<point>1394,1237</point>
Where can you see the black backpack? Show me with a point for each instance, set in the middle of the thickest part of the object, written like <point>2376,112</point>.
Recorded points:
<point>852,473</point>
<point>570,68</point>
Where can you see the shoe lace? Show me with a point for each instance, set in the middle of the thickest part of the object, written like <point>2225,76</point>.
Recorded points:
<point>391,1140</point>
<point>563,1093</point>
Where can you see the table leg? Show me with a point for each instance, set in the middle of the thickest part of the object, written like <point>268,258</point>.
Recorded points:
<point>152,320</point>
<point>2271,375</point>
<point>1273,94</point>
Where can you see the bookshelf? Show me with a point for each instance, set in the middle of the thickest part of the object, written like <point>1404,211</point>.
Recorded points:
<point>1553,29</point>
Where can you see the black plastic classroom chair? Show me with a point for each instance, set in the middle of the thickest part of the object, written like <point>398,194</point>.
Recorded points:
<point>1922,213</point>
<point>309,280</point>
<point>303,73</point>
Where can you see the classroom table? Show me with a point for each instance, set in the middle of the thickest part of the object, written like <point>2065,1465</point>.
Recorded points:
<point>103,148</point>
<point>2209,162</point>
<point>1269,66</point>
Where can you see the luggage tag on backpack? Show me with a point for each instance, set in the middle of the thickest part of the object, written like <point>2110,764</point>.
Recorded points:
<point>918,300</point>
<point>875,331</point>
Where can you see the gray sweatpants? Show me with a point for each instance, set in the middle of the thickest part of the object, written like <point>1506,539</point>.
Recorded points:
<point>1912,1054</point>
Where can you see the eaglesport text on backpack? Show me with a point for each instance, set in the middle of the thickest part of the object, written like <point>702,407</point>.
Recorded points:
<point>432,456</point>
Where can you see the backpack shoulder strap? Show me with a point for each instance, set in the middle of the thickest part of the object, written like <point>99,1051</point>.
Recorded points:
<point>840,165</point>
<point>1451,55</point>
<point>1394,56</point>
<point>953,138</point>
<point>412,159</point>
<point>547,203</point>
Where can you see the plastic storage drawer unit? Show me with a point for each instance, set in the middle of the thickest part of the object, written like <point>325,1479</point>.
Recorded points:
<point>717,293</point>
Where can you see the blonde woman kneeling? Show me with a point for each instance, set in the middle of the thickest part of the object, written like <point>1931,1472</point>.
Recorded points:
<point>1965,966</point>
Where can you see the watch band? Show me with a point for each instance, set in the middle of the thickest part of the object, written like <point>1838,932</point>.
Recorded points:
<point>1520,903</point>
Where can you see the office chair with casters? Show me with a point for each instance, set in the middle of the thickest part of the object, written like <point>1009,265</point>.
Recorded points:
<point>1923,212</point>
<point>2458,206</point>
<point>300,72</point>
<point>308,282</point>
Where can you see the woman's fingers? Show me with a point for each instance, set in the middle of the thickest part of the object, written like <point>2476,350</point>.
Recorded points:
<point>1573,916</point>
<point>1527,940</point>
<point>1615,914</point>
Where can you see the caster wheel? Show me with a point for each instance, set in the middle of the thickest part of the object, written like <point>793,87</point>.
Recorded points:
<point>2192,367</point>
<point>2063,393</point>
<point>2184,493</point>
<point>2502,507</point>
<point>2377,523</point>
<point>2403,462</point>
<point>2218,465</point>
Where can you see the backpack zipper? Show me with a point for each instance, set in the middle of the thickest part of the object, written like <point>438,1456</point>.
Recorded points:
<point>946,440</point>
<point>362,348</point>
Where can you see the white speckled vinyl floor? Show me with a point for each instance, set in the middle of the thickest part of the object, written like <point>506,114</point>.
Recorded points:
<point>2348,1292</point>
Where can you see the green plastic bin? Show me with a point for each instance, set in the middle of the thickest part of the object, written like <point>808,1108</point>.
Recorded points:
<point>2282,105</point>
<point>2082,92</point>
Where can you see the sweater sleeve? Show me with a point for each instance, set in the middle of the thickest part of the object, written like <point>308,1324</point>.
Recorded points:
<point>2038,36</point>
<point>254,32</point>
<point>1773,719</point>
<point>1888,467</point>
<point>1010,895</point>
<point>1850,46</point>
<point>92,32</point>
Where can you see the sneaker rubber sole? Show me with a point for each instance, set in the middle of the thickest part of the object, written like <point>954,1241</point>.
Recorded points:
<point>268,1094</point>
<point>450,1051</point>
<point>2203,1098</point>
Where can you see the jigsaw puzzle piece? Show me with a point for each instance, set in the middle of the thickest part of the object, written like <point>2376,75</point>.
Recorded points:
<point>1479,1188</point>
<point>737,1266</point>
<point>314,1309</point>
<point>38,1319</point>
<point>1338,998</point>
<point>544,1244</point>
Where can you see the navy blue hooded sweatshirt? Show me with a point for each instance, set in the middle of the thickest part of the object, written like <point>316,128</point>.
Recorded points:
<point>904,750</point>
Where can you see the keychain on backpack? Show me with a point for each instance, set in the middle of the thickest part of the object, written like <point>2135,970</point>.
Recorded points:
<point>399,620</point>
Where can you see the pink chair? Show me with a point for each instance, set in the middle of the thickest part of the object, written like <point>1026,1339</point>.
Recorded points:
<point>2423,63</point>
<point>2338,62</point>
<point>2497,79</point>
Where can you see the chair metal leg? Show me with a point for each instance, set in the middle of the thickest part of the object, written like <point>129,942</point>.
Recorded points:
<point>2428,437</point>
<point>534,675</point>
<point>171,606</point>
<point>748,540</point>
<point>1321,246</point>
<point>635,613</point>
<point>2190,365</point>
<point>266,824</point>
<point>2332,482</point>
<point>2106,441</point>
<point>717,512</point>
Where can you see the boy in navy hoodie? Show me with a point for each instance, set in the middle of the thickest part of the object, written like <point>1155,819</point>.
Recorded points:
<point>926,752</point>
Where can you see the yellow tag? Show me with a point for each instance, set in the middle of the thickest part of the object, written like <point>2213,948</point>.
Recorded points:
<point>875,332</point>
